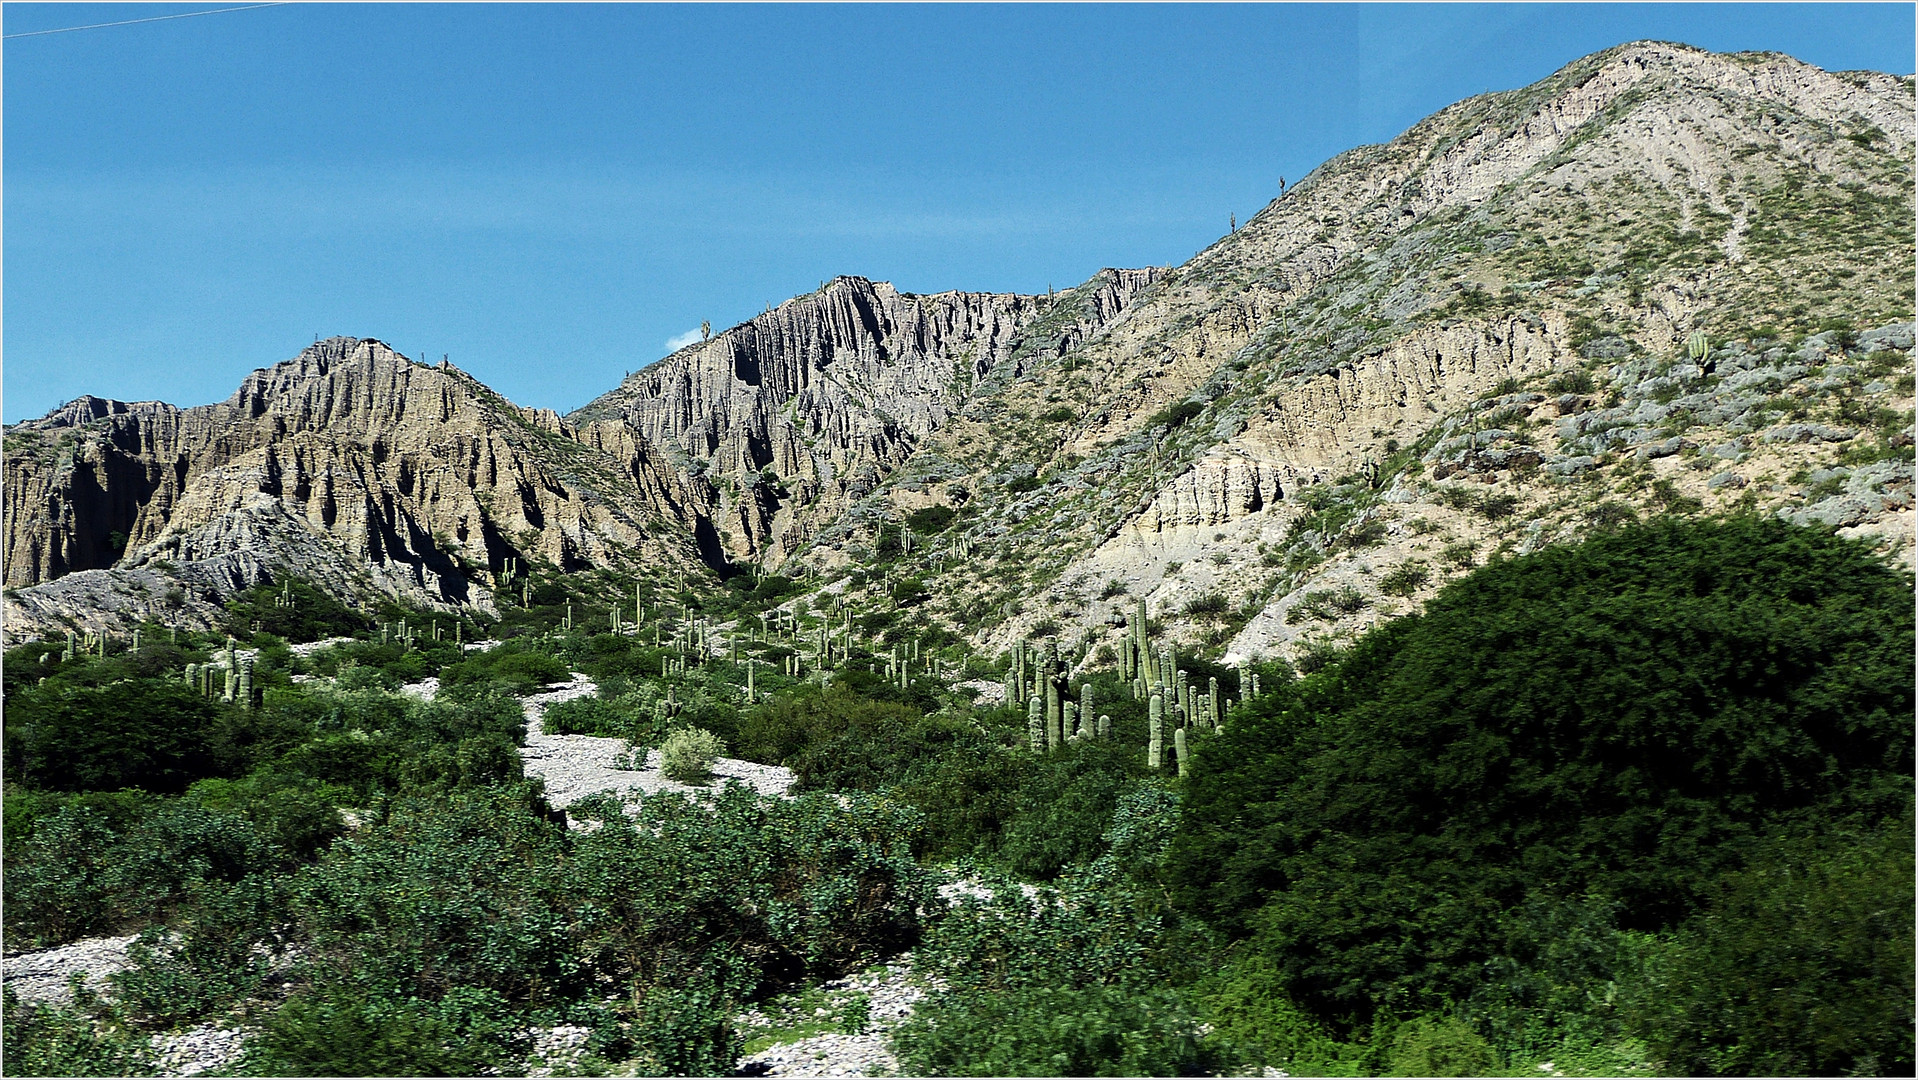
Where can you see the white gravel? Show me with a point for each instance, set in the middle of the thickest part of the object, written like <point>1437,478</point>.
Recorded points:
<point>42,975</point>
<point>575,766</point>
<point>892,994</point>
<point>199,1050</point>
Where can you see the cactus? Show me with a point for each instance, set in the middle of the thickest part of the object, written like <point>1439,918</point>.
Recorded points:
<point>246,684</point>
<point>1178,748</point>
<point>1155,728</point>
<point>1069,721</point>
<point>193,676</point>
<point>1212,703</point>
<point>1054,715</point>
<point>1698,346</point>
<point>1104,729</point>
<point>1036,724</point>
<point>1085,704</point>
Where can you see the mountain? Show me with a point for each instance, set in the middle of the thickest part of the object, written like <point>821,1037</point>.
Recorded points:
<point>370,474</point>
<point>1661,279</point>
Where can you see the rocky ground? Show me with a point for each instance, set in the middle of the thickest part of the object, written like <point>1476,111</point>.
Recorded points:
<point>575,766</point>
<point>890,993</point>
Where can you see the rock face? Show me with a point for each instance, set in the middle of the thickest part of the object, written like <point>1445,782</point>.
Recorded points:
<point>349,465</point>
<point>807,406</point>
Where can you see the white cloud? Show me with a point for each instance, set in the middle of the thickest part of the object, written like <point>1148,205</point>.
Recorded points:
<point>674,344</point>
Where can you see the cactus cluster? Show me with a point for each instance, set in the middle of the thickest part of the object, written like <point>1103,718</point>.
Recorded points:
<point>1172,697</point>
<point>1038,680</point>
<point>231,680</point>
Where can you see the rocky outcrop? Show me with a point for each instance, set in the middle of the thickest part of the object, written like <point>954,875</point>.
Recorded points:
<point>349,465</point>
<point>808,406</point>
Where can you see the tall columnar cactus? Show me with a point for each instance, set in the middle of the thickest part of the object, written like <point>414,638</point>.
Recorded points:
<point>1155,732</point>
<point>193,676</point>
<point>1069,721</point>
<point>246,684</point>
<point>1698,346</point>
<point>1036,724</point>
<point>136,639</point>
<point>1055,733</point>
<point>1085,703</point>
<point>1178,748</point>
<point>232,680</point>
<point>1212,702</point>
<point>1105,727</point>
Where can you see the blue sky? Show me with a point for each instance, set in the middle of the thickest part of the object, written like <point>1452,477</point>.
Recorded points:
<point>549,193</point>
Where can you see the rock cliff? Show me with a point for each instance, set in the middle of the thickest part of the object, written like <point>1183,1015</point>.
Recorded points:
<point>349,465</point>
<point>797,412</point>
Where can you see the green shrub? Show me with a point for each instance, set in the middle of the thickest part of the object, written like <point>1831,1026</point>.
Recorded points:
<point>1440,1047</point>
<point>1800,964</point>
<point>1405,579</point>
<point>146,733</point>
<point>932,519</point>
<point>1055,1031</point>
<point>82,1039</point>
<point>1616,718</point>
<point>339,1031</point>
<point>313,616</point>
<point>688,754</point>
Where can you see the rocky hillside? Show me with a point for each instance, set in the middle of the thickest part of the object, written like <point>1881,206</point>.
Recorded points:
<point>799,412</point>
<point>350,465</point>
<point>1468,341</point>
<point>1660,280</point>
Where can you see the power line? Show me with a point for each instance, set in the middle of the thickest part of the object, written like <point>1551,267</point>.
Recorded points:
<point>130,22</point>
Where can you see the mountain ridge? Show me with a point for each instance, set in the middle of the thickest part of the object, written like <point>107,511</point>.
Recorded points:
<point>1177,433</point>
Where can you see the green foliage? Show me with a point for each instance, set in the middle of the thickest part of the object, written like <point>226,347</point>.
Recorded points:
<point>343,1031</point>
<point>1440,1047</point>
<point>1799,964</point>
<point>1405,579</point>
<point>313,614</point>
<point>932,519</point>
<point>689,1032</point>
<point>1618,718</point>
<point>1062,808</point>
<point>226,939</point>
<point>85,1038</point>
<point>1176,415</point>
<point>1056,1031</point>
<point>1250,1011</point>
<point>688,754</point>
<point>520,669</point>
<point>147,733</point>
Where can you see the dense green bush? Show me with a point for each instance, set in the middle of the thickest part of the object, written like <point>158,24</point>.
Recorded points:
<point>314,614</point>
<point>1056,1031</point>
<point>147,733</point>
<point>1800,963</point>
<point>85,1038</point>
<point>1617,719</point>
<point>508,666</point>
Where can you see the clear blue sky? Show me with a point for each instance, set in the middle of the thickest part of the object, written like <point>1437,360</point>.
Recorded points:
<point>549,193</point>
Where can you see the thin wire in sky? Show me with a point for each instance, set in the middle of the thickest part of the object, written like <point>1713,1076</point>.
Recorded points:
<point>130,22</point>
